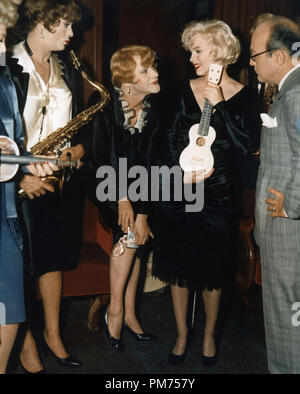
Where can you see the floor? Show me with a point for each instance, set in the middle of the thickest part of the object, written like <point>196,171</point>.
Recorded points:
<point>242,344</point>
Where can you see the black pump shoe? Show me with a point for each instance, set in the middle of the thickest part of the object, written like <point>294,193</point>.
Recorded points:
<point>212,360</point>
<point>144,337</point>
<point>69,361</point>
<point>114,343</point>
<point>209,361</point>
<point>176,359</point>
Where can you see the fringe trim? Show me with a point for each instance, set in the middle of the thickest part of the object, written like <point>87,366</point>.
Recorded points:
<point>184,282</point>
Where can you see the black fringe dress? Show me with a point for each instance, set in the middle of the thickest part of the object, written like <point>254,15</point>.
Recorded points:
<point>194,249</point>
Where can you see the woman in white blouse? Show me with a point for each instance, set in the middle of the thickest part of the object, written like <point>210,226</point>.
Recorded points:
<point>49,90</point>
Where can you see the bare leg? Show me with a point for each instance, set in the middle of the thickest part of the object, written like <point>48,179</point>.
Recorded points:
<point>119,271</point>
<point>180,296</point>
<point>51,288</point>
<point>29,355</point>
<point>211,305</point>
<point>8,336</point>
<point>130,316</point>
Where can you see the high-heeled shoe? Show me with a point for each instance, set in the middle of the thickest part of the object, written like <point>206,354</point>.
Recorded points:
<point>177,359</point>
<point>114,343</point>
<point>69,361</point>
<point>143,337</point>
<point>26,372</point>
<point>209,361</point>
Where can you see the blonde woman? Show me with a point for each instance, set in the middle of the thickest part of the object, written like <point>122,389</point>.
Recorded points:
<point>193,249</point>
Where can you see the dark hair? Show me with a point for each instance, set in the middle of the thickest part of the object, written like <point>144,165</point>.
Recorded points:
<point>284,33</point>
<point>49,12</point>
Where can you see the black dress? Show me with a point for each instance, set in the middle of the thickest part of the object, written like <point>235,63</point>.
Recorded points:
<point>114,139</point>
<point>194,249</point>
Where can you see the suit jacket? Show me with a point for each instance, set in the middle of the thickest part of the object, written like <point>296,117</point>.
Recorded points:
<point>10,126</point>
<point>280,162</point>
<point>278,238</point>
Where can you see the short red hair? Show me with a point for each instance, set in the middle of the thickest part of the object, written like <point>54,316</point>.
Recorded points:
<point>123,65</point>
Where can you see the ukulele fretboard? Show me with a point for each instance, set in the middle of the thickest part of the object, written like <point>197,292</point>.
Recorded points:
<point>205,118</point>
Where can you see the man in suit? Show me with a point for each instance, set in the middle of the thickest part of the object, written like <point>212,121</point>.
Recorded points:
<point>277,230</point>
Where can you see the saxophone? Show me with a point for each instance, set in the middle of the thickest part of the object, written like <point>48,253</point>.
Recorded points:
<point>56,140</point>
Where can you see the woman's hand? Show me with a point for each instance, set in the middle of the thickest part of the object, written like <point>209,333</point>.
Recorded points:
<point>43,169</point>
<point>126,215</point>
<point>74,153</point>
<point>142,230</point>
<point>34,186</point>
<point>213,93</point>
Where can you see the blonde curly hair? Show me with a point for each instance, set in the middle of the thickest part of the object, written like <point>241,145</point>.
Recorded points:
<point>8,13</point>
<point>225,47</point>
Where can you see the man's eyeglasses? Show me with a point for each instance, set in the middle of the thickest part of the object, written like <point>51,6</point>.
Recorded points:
<point>252,57</point>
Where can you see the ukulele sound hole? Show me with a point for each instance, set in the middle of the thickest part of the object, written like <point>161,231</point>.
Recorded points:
<point>201,141</point>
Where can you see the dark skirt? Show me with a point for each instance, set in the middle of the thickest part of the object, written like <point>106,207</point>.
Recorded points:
<point>192,249</point>
<point>53,229</point>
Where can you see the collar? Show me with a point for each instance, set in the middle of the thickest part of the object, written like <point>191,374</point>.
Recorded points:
<point>23,57</point>
<point>130,113</point>
<point>287,75</point>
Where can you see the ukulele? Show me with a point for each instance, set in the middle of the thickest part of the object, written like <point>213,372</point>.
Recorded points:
<point>197,155</point>
<point>11,159</point>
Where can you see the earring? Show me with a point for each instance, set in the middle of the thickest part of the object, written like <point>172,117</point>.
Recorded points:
<point>42,35</point>
<point>128,90</point>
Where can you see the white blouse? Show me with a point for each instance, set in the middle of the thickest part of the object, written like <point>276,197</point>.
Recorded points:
<point>55,97</point>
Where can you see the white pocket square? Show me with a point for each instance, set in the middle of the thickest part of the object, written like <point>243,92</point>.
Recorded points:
<point>268,121</point>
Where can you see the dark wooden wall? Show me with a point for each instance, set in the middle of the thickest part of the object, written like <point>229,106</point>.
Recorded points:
<point>156,24</point>
<point>110,24</point>
<point>88,41</point>
<point>240,14</point>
